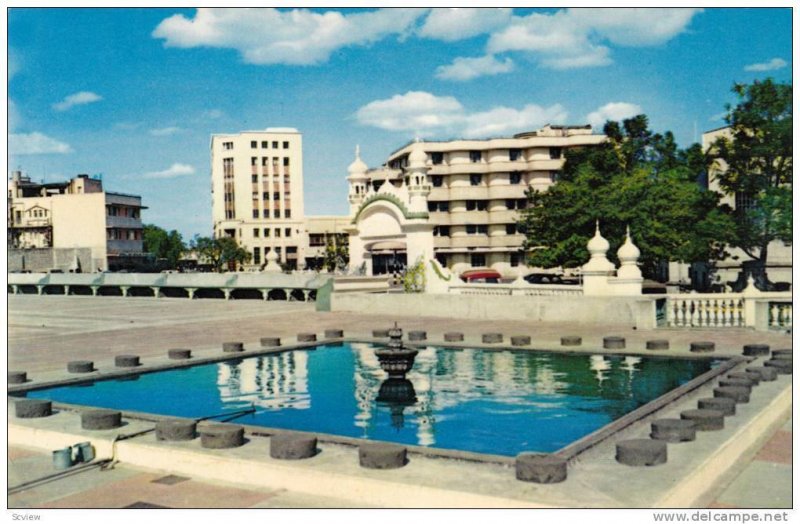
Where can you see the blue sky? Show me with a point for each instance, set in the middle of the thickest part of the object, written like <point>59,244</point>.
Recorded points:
<point>134,94</point>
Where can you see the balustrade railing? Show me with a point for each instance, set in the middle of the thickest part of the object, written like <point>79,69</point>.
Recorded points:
<point>707,310</point>
<point>528,290</point>
<point>780,315</point>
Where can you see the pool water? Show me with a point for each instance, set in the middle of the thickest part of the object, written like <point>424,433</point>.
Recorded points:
<point>498,402</point>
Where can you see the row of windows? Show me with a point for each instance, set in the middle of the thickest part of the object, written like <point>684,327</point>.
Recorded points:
<point>37,213</point>
<point>265,159</point>
<point>477,259</point>
<point>123,234</point>
<point>444,231</point>
<point>122,211</point>
<point>276,213</point>
<point>275,196</point>
<point>437,158</point>
<point>476,205</point>
<point>287,232</point>
<point>290,250</point>
<point>514,178</point>
<point>265,144</point>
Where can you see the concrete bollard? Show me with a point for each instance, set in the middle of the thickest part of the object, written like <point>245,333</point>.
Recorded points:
<point>766,374</point>
<point>641,452</point>
<point>292,446</point>
<point>232,347</point>
<point>221,436</point>
<point>270,342</point>
<point>380,333</point>
<point>701,347</point>
<point>613,343</point>
<point>126,361</point>
<point>705,419</point>
<point>782,354</point>
<point>80,366</point>
<point>656,345</point>
<point>454,337</point>
<point>542,469</point>
<point>521,340</point>
<point>376,455</point>
<point>417,336</point>
<point>740,395</point>
<point>755,378</point>
<point>306,337</point>
<point>672,430</point>
<point>33,408</point>
<point>783,367</point>
<point>492,338</point>
<point>101,419</point>
<point>726,406</point>
<point>176,429</point>
<point>334,333</point>
<point>737,382</point>
<point>17,377</point>
<point>755,350</point>
<point>179,354</point>
<point>571,340</point>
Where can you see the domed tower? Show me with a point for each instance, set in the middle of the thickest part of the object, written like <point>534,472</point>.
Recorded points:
<point>417,175</point>
<point>629,277</point>
<point>358,180</point>
<point>598,269</point>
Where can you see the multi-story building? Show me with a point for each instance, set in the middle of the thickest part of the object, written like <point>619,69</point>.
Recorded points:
<point>73,225</point>
<point>257,193</point>
<point>322,231</point>
<point>476,189</point>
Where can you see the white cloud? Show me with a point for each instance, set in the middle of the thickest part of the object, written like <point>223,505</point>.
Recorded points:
<point>13,116</point>
<point>463,69</point>
<point>615,111</point>
<point>576,37</point>
<point>35,144</point>
<point>165,131</point>
<point>772,65</point>
<point>424,114</point>
<point>269,36</point>
<point>175,170</point>
<point>451,24</point>
<point>77,99</point>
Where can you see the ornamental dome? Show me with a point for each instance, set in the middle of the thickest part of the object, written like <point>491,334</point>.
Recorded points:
<point>628,252</point>
<point>597,245</point>
<point>417,158</point>
<point>358,167</point>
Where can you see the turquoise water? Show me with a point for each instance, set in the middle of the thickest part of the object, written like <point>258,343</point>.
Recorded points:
<point>499,402</point>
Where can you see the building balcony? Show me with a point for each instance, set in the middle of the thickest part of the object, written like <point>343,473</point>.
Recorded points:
<point>439,218</point>
<point>441,242</point>
<point>468,241</point>
<point>124,222</point>
<point>34,223</point>
<point>469,193</point>
<point>505,191</point>
<point>469,217</point>
<point>512,241</point>
<point>439,193</point>
<point>547,164</point>
<point>505,216</point>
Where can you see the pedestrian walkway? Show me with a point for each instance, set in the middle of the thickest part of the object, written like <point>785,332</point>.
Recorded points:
<point>766,482</point>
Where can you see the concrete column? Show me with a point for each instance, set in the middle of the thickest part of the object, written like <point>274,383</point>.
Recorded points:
<point>289,297</point>
<point>95,289</point>
<point>39,290</point>
<point>191,291</point>
<point>66,290</point>
<point>306,292</point>
<point>227,294</point>
<point>156,291</point>
<point>14,289</point>
<point>264,293</point>
<point>124,290</point>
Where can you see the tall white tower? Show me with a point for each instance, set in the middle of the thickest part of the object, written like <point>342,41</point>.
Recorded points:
<point>417,174</point>
<point>358,180</point>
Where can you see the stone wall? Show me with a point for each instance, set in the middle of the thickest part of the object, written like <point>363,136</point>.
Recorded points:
<point>634,311</point>
<point>45,259</point>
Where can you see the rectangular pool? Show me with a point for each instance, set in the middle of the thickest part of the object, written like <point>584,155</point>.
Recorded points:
<point>496,402</point>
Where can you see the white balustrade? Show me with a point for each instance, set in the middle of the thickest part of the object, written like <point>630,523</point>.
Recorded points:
<point>528,290</point>
<point>780,315</point>
<point>727,310</point>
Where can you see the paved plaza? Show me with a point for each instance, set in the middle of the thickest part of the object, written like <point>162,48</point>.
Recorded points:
<point>45,332</point>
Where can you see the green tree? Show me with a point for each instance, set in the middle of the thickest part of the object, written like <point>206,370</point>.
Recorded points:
<point>637,179</point>
<point>162,244</point>
<point>336,254</point>
<point>755,164</point>
<point>221,253</point>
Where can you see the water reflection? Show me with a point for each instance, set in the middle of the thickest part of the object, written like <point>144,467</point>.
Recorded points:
<point>273,382</point>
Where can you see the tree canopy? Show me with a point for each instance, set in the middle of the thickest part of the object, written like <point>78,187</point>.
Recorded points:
<point>221,253</point>
<point>164,245</point>
<point>635,178</point>
<point>755,163</point>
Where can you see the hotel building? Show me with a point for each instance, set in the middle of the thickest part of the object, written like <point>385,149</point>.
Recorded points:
<point>257,193</point>
<point>472,191</point>
<point>71,226</point>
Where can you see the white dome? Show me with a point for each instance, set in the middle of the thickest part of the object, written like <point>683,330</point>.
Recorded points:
<point>597,245</point>
<point>628,252</point>
<point>358,167</point>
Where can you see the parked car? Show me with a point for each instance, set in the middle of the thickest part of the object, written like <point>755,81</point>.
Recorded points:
<point>481,276</point>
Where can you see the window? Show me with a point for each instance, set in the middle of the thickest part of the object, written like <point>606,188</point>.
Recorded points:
<point>275,144</point>
<point>316,240</point>
<point>264,144</point>
<point>253,160</point>
<point>477,260</point>
<point>744,202</point>
<point>514,259</point>
<point>477,205</point>
<point>287,213</point>
<point>277,232</point>
<point>437,158</point>
<point>474,156</point>
<point>441,231</point>
<point>286,145</point>
<point>287,232</point>
<point>253,144</point>
<point>256,231</point>
<point>475,179</point>
<point>554,176</point>
<point>264,160</point>
<point>266,232</point>
<point>276,196</point>
<point>477,230</point>
<point>515,177</point>
<point>276,213</point>
<point>227,145</point>
<point>256,255</point>
<point>511,229</point>
<point>555,153</point>
<point>437,180</point>
<point>254,178</point>
<point>255,213</point>
<point>286,161</point>
<point>514,154</point>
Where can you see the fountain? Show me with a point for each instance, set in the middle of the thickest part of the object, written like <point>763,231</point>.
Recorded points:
<point>395,359</point>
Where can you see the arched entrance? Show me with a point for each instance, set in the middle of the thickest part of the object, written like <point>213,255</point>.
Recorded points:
<point>389,257</point>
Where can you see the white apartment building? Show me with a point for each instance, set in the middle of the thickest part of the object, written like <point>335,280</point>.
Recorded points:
<point>257,193</point>
<point>73,225</point>
<point>476,189</point>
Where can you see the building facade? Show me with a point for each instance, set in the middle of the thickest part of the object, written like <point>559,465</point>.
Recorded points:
<point>476,189</point>
<point>76,225</point>
<point>257,193</point>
